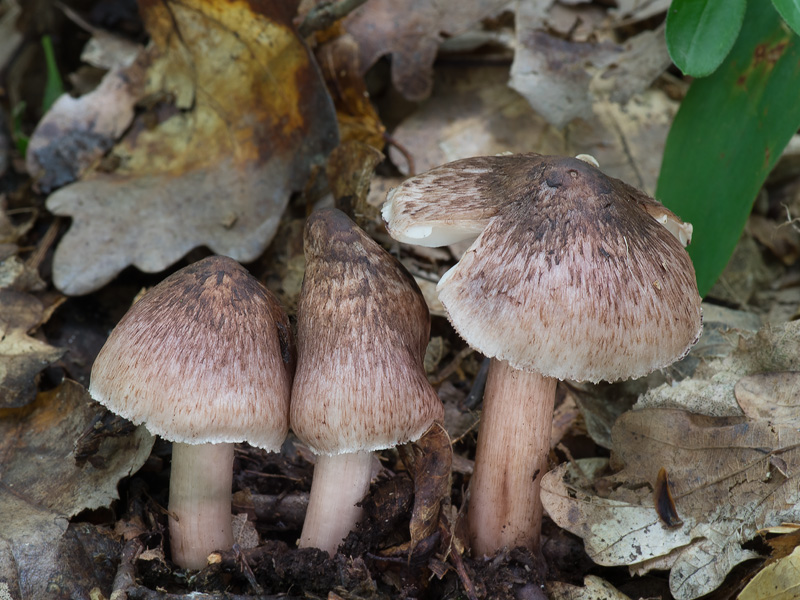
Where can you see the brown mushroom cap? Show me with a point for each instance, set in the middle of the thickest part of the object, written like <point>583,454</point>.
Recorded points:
<point>454,202</point>
<point>204,357</point>
<point>576,280</point>
<point>362,331</point>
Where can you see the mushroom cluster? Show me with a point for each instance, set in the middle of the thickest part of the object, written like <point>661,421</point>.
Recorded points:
<point>571,275</point>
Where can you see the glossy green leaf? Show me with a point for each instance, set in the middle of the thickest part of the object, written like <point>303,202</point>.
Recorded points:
<point>700,33</point>
<point>729,132</point>
<point>790,11</point>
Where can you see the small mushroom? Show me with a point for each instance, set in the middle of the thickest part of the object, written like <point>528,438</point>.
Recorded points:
<point>574,276</point>
<point>362,330</point>
<point>204,360</point>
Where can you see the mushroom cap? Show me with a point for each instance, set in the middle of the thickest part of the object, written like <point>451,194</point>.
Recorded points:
<point>573,277</point>
<point>206,356</point>
<point>454,202</point>
<point>362,330</point>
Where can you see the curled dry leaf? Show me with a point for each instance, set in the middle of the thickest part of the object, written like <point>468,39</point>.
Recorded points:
<point>724,483</point>
<point>410,31</point>
<point>358,118</point>
<point>238,114</point>
<point>42,487</point>
<point>428,460</point>
<point>776,581</point>
<point>76,132</point>
<point>22,357</point>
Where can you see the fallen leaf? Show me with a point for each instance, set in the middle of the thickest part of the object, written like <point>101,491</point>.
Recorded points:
<point>76,132</point>
<point>41,487</point>
<point>594,588</point>
<point>561,78</point>
<point>627,138</point>
<point>410,31</point>
<point>237,113</point>
<point>428,460</point>
<point>723,485</point>
<point>777,581</point>
<point>782,239</point>
<point>710,391</point>
<point>22,357</point>
<point>17,275</point>
<point>349,171</point>
<point>358,118</point>
<point>770,396</point>
<point>472,112</point>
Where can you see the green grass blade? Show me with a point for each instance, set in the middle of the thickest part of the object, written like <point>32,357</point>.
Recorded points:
<point>728,134</point>
<point>700,33</point>
<point>53,86</point>
<point>790,11</point>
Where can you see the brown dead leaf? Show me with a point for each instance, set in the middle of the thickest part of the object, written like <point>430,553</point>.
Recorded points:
<point>349,170</point>
<point>782,239</point>
<point>777,581</point>
<point>594,588</point>
<point>22,357</point>
<point>237,115</point>
<point>76,132</point>
<point>770,396</point>
<point>472,113</point>
<point>411,31</point>
<point>428,460</point>
<point>41,487</point>
<point>358,119</point>
<point>724,485</point>
<point>561,78</point>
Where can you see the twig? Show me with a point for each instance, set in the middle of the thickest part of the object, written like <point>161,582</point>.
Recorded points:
<point>326,14</point>
<point>126,573</point>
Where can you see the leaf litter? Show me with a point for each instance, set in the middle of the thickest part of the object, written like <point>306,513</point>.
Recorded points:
<point>422,550</point>
<point>221,121</point>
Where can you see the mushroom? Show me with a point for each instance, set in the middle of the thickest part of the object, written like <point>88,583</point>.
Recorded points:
<point>574,275</point>
<point>360,386</point>
<point>204,360</point>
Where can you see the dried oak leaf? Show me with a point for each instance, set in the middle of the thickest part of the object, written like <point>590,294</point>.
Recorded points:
<point>21,356</point>
<point>561,78</point>
<point>410,31</point>
<point>238,116</point>
<point>726,485</point>
<point>41,488</point>
<point>777,581</point>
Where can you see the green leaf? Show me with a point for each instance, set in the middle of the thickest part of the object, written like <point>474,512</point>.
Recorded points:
<point>700,33</point>
<point>729,132</point>
<point>790,11</point>
<point>53,87</point>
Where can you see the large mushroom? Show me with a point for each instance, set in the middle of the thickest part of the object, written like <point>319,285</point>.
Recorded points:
<point>360,386</point>
<point>204,360</point>
<point>574,275</point>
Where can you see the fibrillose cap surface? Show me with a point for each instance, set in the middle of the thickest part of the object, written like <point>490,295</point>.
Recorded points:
<point>205,356</point>
<point>362,330</point>
<point>576,279</point>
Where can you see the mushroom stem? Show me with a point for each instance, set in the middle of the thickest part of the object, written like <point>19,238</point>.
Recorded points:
<point>200,502</point>
<point>340,481</point>
<point>505,510</point>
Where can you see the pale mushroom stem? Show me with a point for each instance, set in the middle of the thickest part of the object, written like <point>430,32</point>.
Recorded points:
<point>505,510</point>
<point>200,502</point>
<point>339,483</point>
